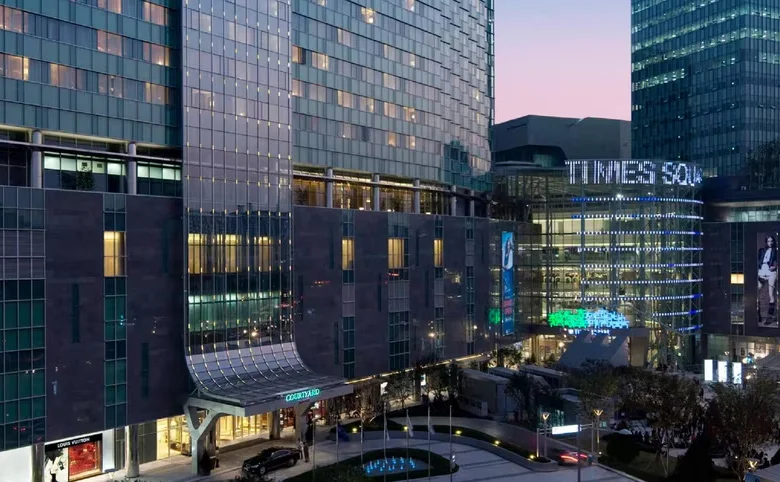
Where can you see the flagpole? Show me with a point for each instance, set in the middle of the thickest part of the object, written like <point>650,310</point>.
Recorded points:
<point>408,431</point>
<point>338,436</point>
<point>429,443</point>
<point>451,441</point>
<point>384,447</point>
<point>361,443</point>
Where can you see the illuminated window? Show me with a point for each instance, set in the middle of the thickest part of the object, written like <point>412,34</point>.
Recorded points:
<point>195,253</point>
<point>409,5</point>
<point>62,76</point>
<point>109,43</point>
<point>410,114</point>
<point>111,5</point>
<point>157,14</point>
<point>438,253</point>
<point>297,88</point>
<point>344,99</point>
<point>475,94</point>
<point>11,19</point>
<point>113,253</point>
<point>391,110</point>
<point>298,56</point>
<point>156,94</point>
<point>263,252</point>
<point>229,244</point>
<point>347,254</point>
<point>395,253</point>
<point>344,37</point>
<point>737,278</point>
<point>320,61</point>
<point>390,81</point>
<point>368,14</point>
<point>17,67</point>
<point>392,139</point>
<point>411,142</point>
<point>367,104</point>
<point>411,59</point>
<point>322,3</point>
<point>158,54</point>
<point>390,52</point>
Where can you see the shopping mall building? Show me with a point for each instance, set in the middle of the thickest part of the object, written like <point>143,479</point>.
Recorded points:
<point>202,202</point>
<point>619,250</point>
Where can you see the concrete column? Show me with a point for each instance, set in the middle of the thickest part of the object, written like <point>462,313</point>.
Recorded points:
<point>472,204</point>
<point>375,193</point>
<point>201,435</point>
<point>36,166</point>
<point>131,452</point>
<point>416,196</point>
<point>300,419</point>
<point>274,426</point>
<point>132,170</point>
<point>329,187</point>
<point>453,201</point>
<point>38,462</point>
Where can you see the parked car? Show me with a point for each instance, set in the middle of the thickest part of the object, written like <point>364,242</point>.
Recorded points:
<point>270,459</point>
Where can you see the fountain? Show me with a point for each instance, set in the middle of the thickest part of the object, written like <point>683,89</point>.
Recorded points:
<point>392,465</point>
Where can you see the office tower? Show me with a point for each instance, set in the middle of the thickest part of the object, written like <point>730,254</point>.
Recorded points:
<point>151,288</point>
<point>703,81</point>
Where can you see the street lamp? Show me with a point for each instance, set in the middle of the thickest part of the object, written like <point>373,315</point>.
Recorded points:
<point>545,416</point>
<point>598,413</point>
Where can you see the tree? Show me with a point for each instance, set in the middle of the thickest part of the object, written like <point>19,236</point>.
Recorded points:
<point>521,388</point>
<point>400,386</point>
<point>744,418</point>
<point>597,384</point>
<point>697,462</point>
<point>673,401</point>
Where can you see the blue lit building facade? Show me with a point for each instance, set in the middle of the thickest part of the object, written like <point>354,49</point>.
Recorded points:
<point>702,81</point>
<point>617,235</point>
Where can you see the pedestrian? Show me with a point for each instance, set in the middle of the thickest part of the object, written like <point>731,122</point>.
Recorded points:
<point>305,452</point>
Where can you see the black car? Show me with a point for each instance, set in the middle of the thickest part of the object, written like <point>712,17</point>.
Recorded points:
<point>270,459</point>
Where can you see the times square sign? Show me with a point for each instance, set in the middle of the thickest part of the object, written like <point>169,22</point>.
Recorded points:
<point>633,172</point>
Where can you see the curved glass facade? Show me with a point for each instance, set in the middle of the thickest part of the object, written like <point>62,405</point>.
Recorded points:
<point>396,87</point>
<point>624,235</point>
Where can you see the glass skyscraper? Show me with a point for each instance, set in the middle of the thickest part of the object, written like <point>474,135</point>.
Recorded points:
<point>704,80</point>
<point>402,88</point>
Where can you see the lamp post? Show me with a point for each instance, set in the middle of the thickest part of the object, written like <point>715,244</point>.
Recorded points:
<point>545,416</point>
<point>598,413</point>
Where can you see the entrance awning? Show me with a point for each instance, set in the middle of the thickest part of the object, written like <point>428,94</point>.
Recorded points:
<point>258,379</point>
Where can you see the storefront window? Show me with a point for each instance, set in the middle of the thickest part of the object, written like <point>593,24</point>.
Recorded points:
<point>74,459</point>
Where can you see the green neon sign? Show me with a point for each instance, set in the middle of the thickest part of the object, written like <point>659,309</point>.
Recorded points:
<point>581,319</point>
<point>494,316</point>
<point>302,395</point>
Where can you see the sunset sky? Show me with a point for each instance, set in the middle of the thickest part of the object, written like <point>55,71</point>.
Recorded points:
<point>569,58</point>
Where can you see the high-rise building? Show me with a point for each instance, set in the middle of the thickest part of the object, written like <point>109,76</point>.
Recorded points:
<point>197,197</point>
<point>704,81</point>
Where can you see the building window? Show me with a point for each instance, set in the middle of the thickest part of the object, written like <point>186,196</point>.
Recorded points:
<point>410,114</point>
<point>438,252</point>
<point>396,253</point>
<point>392,139</point>
<point>113,253</point>
<point>11,19</point>
<point>347,253</point>
<point>344,99</point>
<point>111,5</point>
<point>390,81</point>
<point>320,61</point>
<point>109,42</point>
<point>297,88</point>
<point>298,55</point>
<point>391,110</point>
<point>156,14</point>
<point>409,5</point>
<point>344,37</point>
<point>367,104</point>
<point>411,142</point>
<point>368,14</point>
<point>195,250</point>
<point>17,67</point>
<point>263,253</point>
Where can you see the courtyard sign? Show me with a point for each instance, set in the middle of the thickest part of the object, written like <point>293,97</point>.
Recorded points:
<point>580,319</point>
<point>302,395</point>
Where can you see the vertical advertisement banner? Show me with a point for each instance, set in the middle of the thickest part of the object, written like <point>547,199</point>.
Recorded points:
<point>507,283</point>
<point>765,281</point>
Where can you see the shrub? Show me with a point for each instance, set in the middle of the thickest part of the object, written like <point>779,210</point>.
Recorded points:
<point>622,448</point>
<point>696,464</point>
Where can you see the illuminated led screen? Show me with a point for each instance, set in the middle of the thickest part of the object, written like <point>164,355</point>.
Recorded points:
<point>634,172</point>
<point>581,319</point>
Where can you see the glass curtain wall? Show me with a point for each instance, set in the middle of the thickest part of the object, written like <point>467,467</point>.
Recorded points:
<point>237,180</point>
